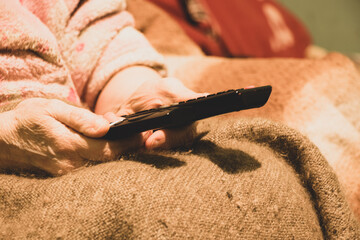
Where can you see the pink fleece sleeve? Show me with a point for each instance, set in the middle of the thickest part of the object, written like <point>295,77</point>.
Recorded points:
<point>30,62</point>
<point>97,39</point>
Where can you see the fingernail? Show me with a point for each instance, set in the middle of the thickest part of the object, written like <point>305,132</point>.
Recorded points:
<point>249,87</point>
<point>156,143</point>
<point>147,134</point>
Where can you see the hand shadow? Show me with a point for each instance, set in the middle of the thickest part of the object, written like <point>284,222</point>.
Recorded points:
<point>156,160</point>
<point>229,160</point>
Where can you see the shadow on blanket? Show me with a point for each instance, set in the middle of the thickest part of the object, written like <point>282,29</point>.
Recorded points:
<point>320,98</point>
<point>251,179</point>
<point>229,160</point>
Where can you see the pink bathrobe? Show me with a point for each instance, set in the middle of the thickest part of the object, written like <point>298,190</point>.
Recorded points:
<point>66,49</point>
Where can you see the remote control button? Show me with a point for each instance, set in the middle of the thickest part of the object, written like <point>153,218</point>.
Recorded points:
<point>199,98</point>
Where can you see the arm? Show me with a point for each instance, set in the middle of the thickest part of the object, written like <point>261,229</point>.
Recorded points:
<point>113,66</point>
<point>55,137</point>
<point>38,131</point>
<point>30,63</point>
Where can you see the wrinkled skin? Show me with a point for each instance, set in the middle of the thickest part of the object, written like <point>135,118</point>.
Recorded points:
<point>56,137</point>
<point>153,94</point>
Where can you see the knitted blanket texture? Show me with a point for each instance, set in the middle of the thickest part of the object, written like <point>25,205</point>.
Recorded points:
<point>246,179</point>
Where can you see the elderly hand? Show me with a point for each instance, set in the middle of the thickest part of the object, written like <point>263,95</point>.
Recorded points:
<point>156,93</point>
<point>140,88</point>
<point>53,136</point>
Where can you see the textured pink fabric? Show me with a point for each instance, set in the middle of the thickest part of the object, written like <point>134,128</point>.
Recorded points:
<point>66,49</point>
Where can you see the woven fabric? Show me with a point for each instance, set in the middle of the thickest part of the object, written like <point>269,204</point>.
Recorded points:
<point>246,179</point>
<point>319,98</point>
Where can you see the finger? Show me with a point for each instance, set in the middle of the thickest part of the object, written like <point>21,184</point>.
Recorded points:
<point>111,117</point>
<point>90,149</point>
<point>146,135</point>
<point>101,150</point>
<point>139,104</point>
<point>180,90</point>
<point>171,138</point>
<point>69,144</point>
<point>79,119</point>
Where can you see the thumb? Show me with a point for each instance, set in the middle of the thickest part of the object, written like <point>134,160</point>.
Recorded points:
<point>180,90</point>
<point>79,119</point>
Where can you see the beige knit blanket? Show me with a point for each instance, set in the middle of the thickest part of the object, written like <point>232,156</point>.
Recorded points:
<point>320,98</point>
<point>246,179</point>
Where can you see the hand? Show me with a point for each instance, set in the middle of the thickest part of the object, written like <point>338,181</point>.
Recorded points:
<point>56,137</point>
<point>156,93</point>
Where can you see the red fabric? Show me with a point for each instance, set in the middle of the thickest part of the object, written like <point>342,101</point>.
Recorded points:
<point>256,28</point>
<point>176,10</point>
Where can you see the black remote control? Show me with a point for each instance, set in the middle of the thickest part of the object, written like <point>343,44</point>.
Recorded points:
<point>185,112</point>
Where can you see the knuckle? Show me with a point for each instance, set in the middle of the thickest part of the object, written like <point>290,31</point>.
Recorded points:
<point>64,145</point>
<point>75,115</point>
<point>109,154</point>
<point>80,115</point>
<point>154,103</point>
<point>62,167</point>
